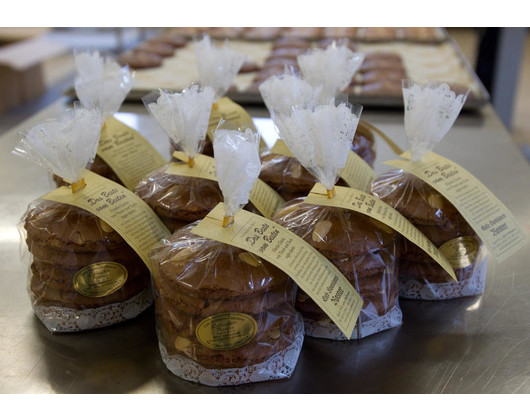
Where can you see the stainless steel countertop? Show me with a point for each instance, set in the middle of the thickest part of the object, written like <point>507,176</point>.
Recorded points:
<point>469,345</point>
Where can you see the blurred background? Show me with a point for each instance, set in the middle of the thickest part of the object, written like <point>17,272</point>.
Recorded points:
<point>37,66</point>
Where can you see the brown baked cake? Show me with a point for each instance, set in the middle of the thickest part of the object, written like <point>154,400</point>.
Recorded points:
<point>178,200</point>
<point>292,180</point>
<point>63,240</point>
<point>157,47</point>
<point>444,226</point>
<point>366,253</point>
<point>140,59</point>
<point>198,281</point>
<point>176,41</point>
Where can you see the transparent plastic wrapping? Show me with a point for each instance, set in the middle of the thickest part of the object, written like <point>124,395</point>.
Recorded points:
<point>430,111</point>
<point>224,315</point>
<point>218,65</point>
<point>442,224</point>
<point>197,278</point>
<point>68,246</point>
<point>62,240</point>
<point>179,200</point>
<point>291,180</point>
<point>364,250</point>
<point>309,131</point>
<point>333,68</point>
<point>101,82</point>
<point>183,116</point>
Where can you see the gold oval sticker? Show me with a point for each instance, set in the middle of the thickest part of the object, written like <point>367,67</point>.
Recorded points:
<point>100,279</point>
<point>460,252</point>
<point>226,331</point>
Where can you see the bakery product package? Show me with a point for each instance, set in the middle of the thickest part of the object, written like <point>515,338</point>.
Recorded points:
<point>184,116</point>
<point>364,250</point>
<point>82,273</point>
<point>283,172</point>
<point>433,193</point>
<point>224,315</point>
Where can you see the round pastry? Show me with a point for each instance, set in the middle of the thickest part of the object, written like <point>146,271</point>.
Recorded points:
<point>64,240</point>
<point>364,250</point>
<point>444,226</point>
<point>202,281</point>
<point>160,48</point>
<point>140,59</point>
<point>292,180</point>
<point>178,200</point>
<point>249,66</point>
<point>176,41</point>
<point>291,43</point>
<point>381,64</point>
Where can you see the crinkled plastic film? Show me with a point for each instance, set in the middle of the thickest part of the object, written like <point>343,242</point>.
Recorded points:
<point>197,279</point>
<point>364,250</point>
<point>291,180</point>
<point>441,222</point>
<point>430,111</point>
<point>178,200</point>
<point>62,240</point>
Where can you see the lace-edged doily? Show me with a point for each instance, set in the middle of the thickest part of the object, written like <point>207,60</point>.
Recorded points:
<point>279,366</point>
<point>329,330</point>
<point>59,319</point>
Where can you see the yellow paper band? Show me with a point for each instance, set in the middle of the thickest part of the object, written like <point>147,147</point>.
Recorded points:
<point>79,185</point>
<point>215,105</point>
<point>331,193</point>
<point>191,162</point>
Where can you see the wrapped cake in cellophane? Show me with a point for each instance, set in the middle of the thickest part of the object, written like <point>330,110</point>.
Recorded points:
<point>67,244</point>
<point>363,249</point>
<point>224,315</point>
<point>284,173</point>
<point>179,200</point>
<point>103,84</point>
<point>430,112</point>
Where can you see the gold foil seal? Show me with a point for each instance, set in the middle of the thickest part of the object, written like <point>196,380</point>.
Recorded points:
<point>226,331</point>
<point>460,252</point>
<point>100,279</point>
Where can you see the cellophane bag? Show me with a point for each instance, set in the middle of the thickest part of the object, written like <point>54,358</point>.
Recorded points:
<point>103,84</point>
<point>283,173</point>
<point>363,249</point>
<point>65,242</point>
<point>225,316</point>
<point>430,111</point>
<point>184,116</point>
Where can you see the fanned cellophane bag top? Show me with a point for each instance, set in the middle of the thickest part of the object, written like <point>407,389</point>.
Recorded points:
<point>430,112</point>
<point>284,173</point>
<point>363,249</point>
<point>224,315</point>
<point>66,243</point>
<point>180,200</point>
<point>103,84</point>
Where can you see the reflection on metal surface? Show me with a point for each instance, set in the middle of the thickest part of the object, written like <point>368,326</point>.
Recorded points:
<point>475,305</point>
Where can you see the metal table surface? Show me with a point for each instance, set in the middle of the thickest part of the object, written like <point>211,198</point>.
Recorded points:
<point>469,345</point>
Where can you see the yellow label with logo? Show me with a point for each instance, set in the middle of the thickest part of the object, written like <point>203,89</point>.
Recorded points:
<point>100,279</point>
<point>488,217</point>
<point>460,252</point>
<point>314,274</point>
<point>226,331</point>
<point>120,208</point>
<point>367,204</point>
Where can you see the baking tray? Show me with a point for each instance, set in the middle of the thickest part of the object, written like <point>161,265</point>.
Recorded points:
<point>442,61</point>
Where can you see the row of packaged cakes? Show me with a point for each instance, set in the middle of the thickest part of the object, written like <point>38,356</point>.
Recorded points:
<point>228,312</point>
